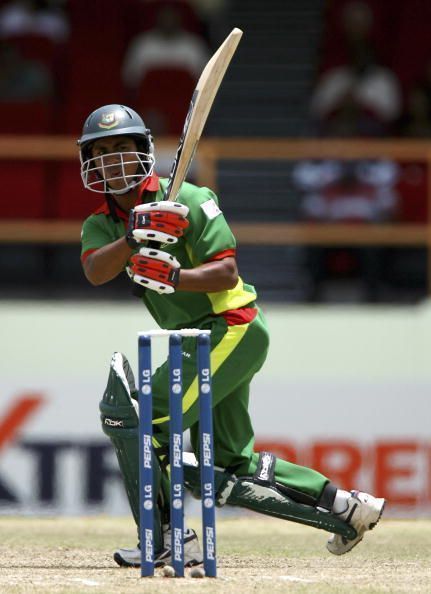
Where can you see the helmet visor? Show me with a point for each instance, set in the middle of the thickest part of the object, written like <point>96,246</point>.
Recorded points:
<point>116,173</point>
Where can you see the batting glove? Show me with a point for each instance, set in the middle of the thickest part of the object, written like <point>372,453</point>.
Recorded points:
<point>155,270</point>
<point>163,222</point>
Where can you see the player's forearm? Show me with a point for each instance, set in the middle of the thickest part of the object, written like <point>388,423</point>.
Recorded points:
<point>107,262</point>
<point>215,276</point>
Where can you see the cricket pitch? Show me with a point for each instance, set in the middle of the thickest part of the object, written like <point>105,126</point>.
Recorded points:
<point>255,554</point>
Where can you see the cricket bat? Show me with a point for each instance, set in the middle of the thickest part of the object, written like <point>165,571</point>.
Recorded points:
<point>200,105</point>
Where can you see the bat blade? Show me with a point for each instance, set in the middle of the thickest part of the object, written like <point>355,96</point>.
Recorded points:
<point>200,105</point>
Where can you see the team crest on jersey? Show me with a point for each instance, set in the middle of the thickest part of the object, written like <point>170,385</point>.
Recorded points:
<point>109,120</point>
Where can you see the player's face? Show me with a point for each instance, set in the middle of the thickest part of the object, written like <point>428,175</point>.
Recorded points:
<point>116,160</point>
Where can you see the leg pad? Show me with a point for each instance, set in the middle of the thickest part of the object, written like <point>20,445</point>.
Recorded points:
<point>265,498</point>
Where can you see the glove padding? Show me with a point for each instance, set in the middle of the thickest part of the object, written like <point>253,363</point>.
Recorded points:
<point>155,270</point>
<point>158,221</point>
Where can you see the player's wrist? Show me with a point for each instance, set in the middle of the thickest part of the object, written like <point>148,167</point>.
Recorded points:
<point>131,242</point>
<point>130,239</point>
<point>174,277</point>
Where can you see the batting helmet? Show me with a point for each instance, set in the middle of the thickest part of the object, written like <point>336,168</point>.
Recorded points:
<point>114,120</point>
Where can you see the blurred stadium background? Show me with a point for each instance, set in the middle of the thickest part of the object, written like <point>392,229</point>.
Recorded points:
<point>318,147</point>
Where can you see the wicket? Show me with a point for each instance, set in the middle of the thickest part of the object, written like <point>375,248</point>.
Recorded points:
<point>147,496</point>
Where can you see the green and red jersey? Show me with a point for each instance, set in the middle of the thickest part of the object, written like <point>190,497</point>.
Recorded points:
<point>207,238</point>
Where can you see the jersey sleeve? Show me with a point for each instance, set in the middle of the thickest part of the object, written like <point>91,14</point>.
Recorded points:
<point>93,236</point>
<point>208,233</point>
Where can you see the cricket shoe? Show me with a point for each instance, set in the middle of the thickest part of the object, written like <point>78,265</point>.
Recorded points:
<point>192,552</point>
<point>363,513</point>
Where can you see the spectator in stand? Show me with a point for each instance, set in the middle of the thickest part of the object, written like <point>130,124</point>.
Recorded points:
<point>361,97</point>
<point>356,192</point>
<point>34,17</point>
<point>21,79</point>
<point>168,44</point>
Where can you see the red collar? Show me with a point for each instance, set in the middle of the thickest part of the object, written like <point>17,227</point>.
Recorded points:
<point>151,184</point>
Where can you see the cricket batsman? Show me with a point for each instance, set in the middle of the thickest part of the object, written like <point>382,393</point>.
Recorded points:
<point>192,281</point>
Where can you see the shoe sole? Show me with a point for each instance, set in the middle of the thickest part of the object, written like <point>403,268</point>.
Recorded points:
<point>123,563</point>
<point>191,563</point>
<point>370,527</point>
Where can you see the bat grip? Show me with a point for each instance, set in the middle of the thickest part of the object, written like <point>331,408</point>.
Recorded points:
<point>139,290</point>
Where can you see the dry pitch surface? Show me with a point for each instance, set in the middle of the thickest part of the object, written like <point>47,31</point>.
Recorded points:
<point>255,554</point>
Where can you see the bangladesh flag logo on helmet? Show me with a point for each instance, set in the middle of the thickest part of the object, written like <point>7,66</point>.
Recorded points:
<point>109,120</point>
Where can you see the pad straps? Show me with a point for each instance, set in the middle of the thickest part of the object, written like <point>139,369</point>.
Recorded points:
<point>327,497</point>
<point>265,476</point>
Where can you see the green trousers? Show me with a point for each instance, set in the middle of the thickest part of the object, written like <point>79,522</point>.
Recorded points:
<point>237,353</point>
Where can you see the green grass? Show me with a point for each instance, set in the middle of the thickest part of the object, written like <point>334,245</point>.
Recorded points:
<point>255,554</point>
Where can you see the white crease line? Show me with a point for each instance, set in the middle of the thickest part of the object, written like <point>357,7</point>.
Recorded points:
<point>293,578</point>
<point>86,582</point>
<point>287,578</point>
